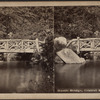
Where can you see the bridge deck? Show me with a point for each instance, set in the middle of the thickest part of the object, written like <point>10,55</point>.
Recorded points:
<point>88,49</point>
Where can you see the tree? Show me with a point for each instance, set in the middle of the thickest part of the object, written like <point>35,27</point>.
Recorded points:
<point>23,22</point>
<point>81,21</point>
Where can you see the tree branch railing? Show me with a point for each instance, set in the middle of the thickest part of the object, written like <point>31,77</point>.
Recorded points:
<point>86,44</point>
<point>20,45</point>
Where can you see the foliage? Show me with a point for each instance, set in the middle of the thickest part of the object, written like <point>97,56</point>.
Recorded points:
<point>47,54</point>
<point>26,22</point>
<point>75,21</point>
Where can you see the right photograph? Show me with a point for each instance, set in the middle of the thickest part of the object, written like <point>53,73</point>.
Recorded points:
<point>77,49</point>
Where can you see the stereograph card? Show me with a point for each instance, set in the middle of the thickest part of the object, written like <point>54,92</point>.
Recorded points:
<point>50,50</point>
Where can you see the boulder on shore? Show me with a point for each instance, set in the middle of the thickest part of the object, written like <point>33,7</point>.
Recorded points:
<point>59,43</point>
<point>60,40</point>
<point>68,56</point>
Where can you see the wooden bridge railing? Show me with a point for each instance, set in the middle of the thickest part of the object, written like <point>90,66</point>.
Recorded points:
<point>20,45</point>
<point>86,44</point>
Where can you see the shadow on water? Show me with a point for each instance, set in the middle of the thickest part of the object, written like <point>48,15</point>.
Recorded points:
<point>78,76</point>
<point>23,77</point>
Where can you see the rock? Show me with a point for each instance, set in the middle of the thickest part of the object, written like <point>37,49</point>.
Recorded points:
<point>68,56</point>
<point>59,43</point>
<point>60,40</point>
<point>58,60</point>
<point>82,60</point>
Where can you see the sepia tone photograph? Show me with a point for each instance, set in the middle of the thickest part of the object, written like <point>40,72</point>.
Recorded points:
<point>77,49</point>
<point>49,50</point>
<point>26,37</point>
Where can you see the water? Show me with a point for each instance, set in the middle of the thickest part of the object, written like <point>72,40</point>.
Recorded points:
<point>78,76</point>
<point>22,77</point>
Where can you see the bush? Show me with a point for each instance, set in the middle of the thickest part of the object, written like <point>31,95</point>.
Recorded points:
<point>47,53</point>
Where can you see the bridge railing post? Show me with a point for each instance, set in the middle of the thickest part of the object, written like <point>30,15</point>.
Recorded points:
<point>22,45</point>
<point>7,48</point>
<point>37,44</point>
<point>92,44</point>
<point>78,45</point>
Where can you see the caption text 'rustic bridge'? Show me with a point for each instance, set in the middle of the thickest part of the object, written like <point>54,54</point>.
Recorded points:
<point>20,45</point>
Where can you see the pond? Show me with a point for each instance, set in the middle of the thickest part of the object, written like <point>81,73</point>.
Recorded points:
<point>24,77</point>
<point>77,76</point>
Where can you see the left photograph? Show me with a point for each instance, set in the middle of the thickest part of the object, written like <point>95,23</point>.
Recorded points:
<point>26,49</point>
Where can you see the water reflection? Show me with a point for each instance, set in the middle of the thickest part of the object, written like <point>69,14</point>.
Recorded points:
<point>21,77</point>
<point>85,75</point>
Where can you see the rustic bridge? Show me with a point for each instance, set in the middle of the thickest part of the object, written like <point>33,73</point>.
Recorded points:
<point>85,44</point>
<point>20,45</point>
